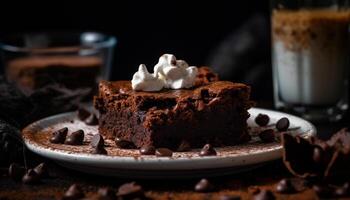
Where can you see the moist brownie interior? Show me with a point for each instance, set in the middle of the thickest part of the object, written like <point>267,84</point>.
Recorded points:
<point>213,113</point>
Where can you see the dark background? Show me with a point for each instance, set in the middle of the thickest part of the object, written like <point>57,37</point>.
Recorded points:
<point>192,30</point>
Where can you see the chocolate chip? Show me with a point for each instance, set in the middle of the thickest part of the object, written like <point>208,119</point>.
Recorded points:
<point>262,119</point>
<point>124,144</point>
<point>100,150</point>
<point>106,194</point>
<point>41,170</point>
<point>208,150</point>
<point>343,191</point>
<point>267,135</point>
<point>282,124</point>
<point>73,192</point>
<point>97,141</point>
<point>203,186</point>
<point>184,146</point>
<point>229,197</point>
<point>164,152</point>
<point>285,186</point>
<point>322,190</point>
<point>83,114</point>
<point>130,190</point>
<point>31,177</point>
<point>16,172</point>
<point>147,150</point>
<point>91,120</point>
<point>264,195</point>
<point>75,138</point>
<point>59,136</point>
<point>317,155</point>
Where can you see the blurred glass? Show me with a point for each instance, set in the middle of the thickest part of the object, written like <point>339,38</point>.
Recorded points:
<point>72,60</point>
<point>310,42</point>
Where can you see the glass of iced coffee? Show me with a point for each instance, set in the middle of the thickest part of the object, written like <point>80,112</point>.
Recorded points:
<point>310,42</point>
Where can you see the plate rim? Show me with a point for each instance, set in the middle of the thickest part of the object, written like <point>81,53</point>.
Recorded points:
<point>158,162</point>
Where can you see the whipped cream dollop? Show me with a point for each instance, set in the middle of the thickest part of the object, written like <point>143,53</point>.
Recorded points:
<point>168,73</point>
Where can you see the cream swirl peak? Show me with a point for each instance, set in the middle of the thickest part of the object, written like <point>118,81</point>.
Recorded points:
<point>168,73</point>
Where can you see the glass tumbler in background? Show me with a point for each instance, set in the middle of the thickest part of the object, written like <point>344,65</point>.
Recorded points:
<point>310,42</point>
<point>71,60</point>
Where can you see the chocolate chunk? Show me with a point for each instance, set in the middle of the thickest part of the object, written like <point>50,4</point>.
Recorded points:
<point>285,186</point>
<point>41,170</point>
<point>200,105</point>
<point>317,155</point>
<point>208,150</point>
<point>203,186</point>
<point>130,191</point>
<point>73,192</point>
<point>267,135</point>
<point>31,177</point>
<point>75,138</point>
<point>343,191</point>
<point>100,150</point>
<point>97,141</point>
<point>124,144</point>
<point>282,124</point>
<point>229,197</point>
<point>82,114</point>
<point>264,195</point>
<point>184,146</point>
<point>59,136</point>
<point>16,172</point>
<point>164,152</point>
<point>322,190</point>
<point>147,150</point>
<point>91,120</point>
<point>106,194</point>
<point>262,119</point>
<point>329,160</point>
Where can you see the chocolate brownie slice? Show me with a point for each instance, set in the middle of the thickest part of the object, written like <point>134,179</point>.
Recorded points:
<point>215,113</point>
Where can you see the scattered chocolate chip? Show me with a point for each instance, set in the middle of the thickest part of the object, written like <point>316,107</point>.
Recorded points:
<point>124,144</point>
<point>83,114</point>
<point>208,150</point>
<point>323,190</point>
<point>282,124</point>
<point>130,190</point>
<point>91,120</point>
<point>317,155</point>
<point>184,146</point>
<point>229,197</point>
<point>31,177</point>
<point>262,119</point>
<point>59,136</point>
<point>264,195</point>
<point>203,186</point>
<point>16,172</point>
<point>100,150</point>
<point>267,135</point>
<point>75,138</point>
<point>106,194</point>
<point>41,170</point>
<point>147,150</point>
<point>97,141</point>
<point>73,192</point>
<point>343,191</point>
<point>285,186</point>
<point>164,152</point>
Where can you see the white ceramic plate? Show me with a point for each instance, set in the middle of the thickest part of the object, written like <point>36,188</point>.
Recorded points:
<point>128,163</point>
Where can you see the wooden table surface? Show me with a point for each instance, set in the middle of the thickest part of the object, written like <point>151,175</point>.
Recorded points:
<point>264,177</point>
